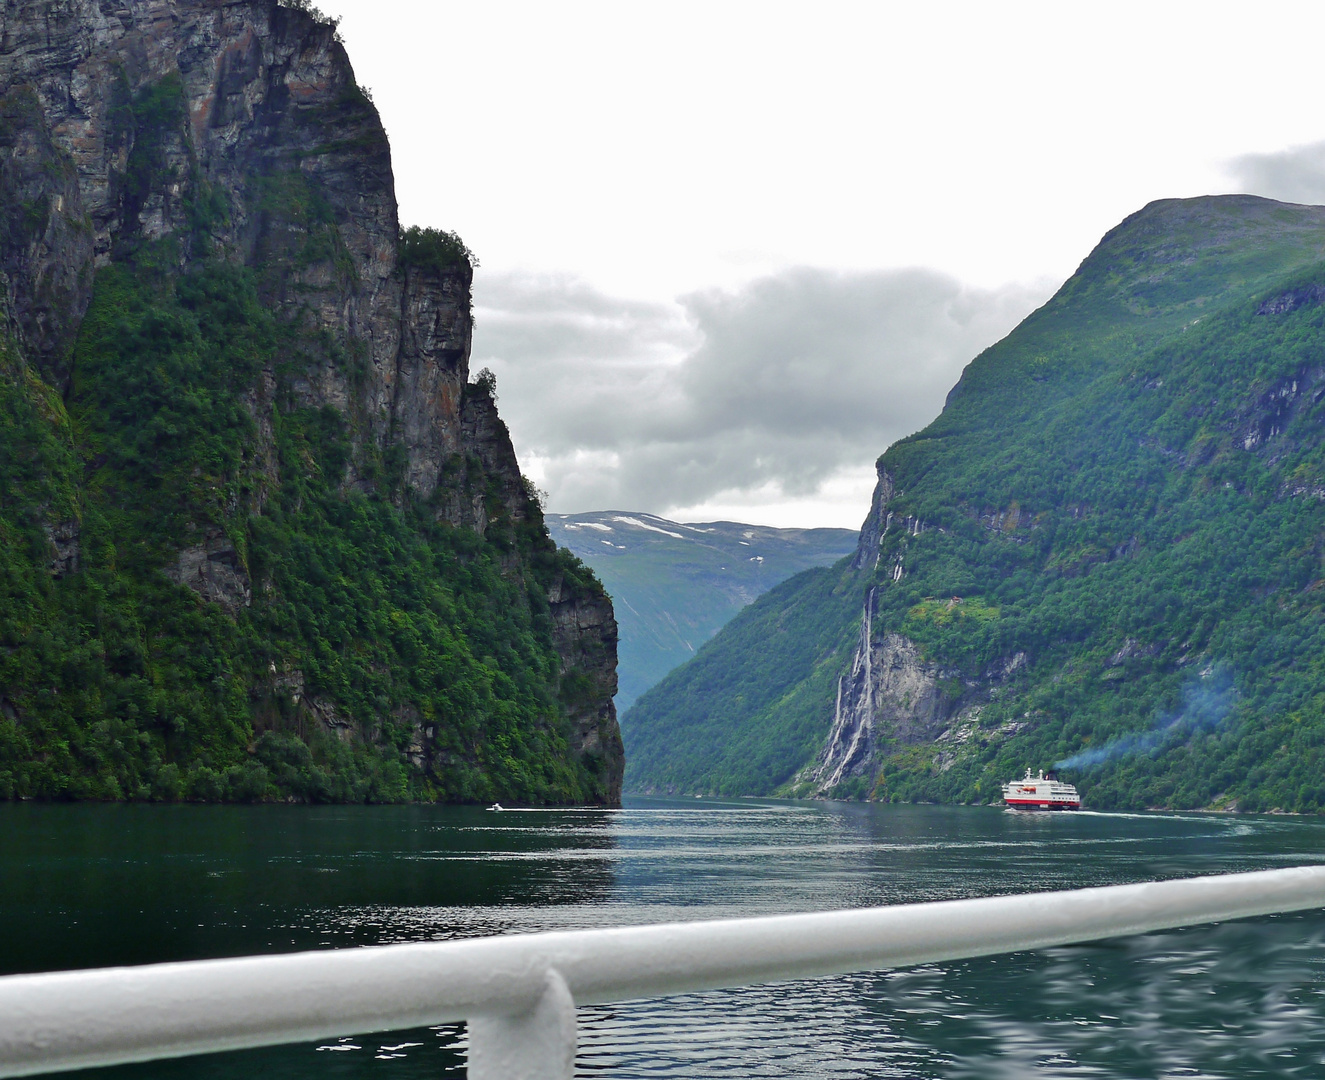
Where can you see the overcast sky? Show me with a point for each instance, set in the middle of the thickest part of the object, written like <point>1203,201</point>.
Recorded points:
<point>731,251</point>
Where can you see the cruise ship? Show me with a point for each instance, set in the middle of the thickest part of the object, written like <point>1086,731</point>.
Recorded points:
<point>1040,793</point>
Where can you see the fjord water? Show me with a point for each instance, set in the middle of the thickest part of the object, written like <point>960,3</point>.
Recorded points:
<point>84,886</point>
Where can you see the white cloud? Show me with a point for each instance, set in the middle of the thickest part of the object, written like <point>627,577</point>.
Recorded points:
<point>1295,175</point>
<point>770,401</point>
<point>657,149</point>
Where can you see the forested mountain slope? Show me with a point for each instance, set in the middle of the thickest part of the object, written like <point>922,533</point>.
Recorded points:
<point>674,585</point>
<point>260,536</point>
<point>1107,551</point>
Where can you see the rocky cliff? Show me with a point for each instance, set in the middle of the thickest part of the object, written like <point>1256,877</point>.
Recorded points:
<point>237,355</point>
<point>895,695</point>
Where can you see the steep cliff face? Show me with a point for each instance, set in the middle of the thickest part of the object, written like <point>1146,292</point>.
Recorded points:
<point>247,373</point>
<point>234,130</point>
<point>876,524</point>
<point>894,698</point>
<point>888,696</point>
<point>585,633</point>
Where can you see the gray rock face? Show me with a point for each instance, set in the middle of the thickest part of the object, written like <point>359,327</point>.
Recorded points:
<point>890,694</point>
<point>66,547</point>
<point>272,139</point>
<point>214,570</point>
<point>892,697</point>
<point>484,479</point>
<point>45,241</point>
<point>584,631</point>
<point>876,522</point>
<point>431,372</point>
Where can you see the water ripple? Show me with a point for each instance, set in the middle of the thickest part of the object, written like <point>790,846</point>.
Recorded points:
<point>1231,1002</point>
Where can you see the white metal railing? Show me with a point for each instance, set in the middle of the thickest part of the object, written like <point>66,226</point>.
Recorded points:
<point>519,992</point>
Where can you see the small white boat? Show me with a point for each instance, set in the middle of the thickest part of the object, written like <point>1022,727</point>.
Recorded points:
<point>1040,793</point>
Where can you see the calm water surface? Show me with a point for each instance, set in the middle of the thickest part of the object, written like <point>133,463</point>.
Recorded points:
<point>84,886</point>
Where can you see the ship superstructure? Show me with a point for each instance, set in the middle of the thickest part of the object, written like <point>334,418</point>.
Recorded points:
<point>1040,792</point>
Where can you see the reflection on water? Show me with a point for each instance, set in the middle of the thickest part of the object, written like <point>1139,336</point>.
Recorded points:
<point>92,885</point>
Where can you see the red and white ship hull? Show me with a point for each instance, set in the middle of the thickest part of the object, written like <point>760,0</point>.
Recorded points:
<point>1040,793</point>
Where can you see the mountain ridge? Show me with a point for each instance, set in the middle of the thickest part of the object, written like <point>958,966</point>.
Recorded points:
<point>1101,553</point>
<point>674,584</point>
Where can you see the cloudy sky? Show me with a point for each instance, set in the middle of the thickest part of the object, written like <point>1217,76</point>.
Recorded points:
<point>730,251</point>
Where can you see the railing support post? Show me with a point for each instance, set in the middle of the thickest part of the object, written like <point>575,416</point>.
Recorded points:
<point>535,1045</point>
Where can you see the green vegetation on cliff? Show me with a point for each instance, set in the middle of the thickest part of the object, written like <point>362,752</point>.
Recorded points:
<point>120,683</point>
<point>1107,549</point>
<point>435,249</point>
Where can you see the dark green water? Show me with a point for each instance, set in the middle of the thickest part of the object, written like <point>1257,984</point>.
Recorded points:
<point>84,886</point>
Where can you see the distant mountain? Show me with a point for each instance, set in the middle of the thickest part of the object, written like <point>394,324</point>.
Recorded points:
<point>674,585</point>
<point>1108,551</point>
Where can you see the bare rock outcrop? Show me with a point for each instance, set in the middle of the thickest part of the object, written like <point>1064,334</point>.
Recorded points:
<point>584,631</point>
<point>876,522</point>
<point>890,694</point>
<point>66,547</point>
<point>214,570</point>
<point>892,697</point>
<point>431,372</point>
